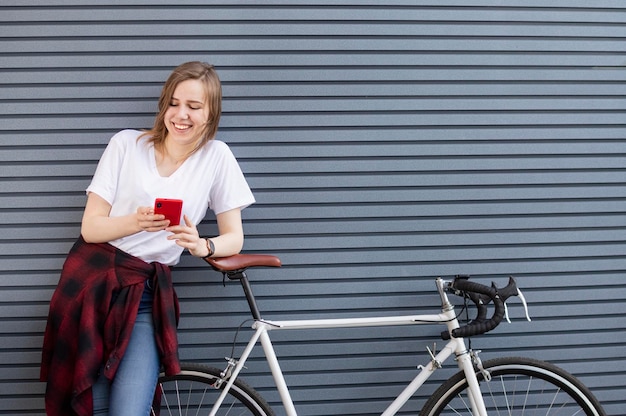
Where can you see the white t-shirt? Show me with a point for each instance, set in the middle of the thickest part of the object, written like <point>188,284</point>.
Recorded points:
<point>127,177</point>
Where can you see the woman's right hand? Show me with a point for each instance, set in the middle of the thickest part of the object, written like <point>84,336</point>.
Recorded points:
<point>147,220</point>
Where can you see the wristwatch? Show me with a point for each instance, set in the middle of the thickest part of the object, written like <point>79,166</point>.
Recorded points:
<point>211,247</point>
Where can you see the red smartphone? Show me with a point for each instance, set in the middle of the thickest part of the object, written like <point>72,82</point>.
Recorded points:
<point>171,208</point>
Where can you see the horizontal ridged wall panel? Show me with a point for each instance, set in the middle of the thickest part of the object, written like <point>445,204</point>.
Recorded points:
<point>387,143</point>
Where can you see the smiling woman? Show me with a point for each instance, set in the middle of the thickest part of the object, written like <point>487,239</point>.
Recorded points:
<point>186,120</point>
<point>192,97</point>
<point>117,280</point>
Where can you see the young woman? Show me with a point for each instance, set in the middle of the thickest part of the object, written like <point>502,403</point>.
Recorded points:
<point>113,316</point>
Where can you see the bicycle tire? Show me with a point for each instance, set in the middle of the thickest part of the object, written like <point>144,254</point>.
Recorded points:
<point>193,391</point>
<point>520,387</point>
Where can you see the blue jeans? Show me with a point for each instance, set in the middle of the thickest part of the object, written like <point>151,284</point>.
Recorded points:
<point>132,390</point>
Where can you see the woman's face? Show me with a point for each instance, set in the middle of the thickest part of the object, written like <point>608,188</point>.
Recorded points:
<point>187,114</point>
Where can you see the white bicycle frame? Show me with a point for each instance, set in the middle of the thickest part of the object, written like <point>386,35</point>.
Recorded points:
<point>455,346</point>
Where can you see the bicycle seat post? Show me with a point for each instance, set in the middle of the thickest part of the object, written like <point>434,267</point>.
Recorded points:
<point>235,268</point>
<point>247,290</point>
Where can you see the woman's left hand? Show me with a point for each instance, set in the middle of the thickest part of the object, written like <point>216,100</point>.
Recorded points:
<point>187,237</point>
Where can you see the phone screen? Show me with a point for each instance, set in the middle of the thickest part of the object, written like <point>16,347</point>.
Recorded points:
<point>171,208</point>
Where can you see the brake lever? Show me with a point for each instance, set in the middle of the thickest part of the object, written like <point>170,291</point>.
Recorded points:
<point>506,313</point>
<point>523,299</point>
<point>512,290</point>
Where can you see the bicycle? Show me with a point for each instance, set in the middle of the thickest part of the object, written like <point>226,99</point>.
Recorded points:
<point>501,386</point>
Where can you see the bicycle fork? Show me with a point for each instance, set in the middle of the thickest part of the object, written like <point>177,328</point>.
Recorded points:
<point>466,363</point>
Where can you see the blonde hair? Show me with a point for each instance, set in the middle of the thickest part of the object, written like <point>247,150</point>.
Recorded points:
<point>196,70</point>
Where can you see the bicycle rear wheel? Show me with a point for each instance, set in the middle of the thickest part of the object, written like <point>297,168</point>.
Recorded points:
<point>518,387</point>
<point>195,389</point>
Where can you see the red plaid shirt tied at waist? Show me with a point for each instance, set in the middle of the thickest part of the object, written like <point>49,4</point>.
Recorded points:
<point>92,314</point>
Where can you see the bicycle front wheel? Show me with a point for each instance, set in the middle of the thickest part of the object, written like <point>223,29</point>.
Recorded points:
<point>518,387</point>
<point>195,389</point>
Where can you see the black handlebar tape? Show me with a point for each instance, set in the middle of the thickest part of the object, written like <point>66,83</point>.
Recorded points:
<point>481,301</point>
<point>469,286</point>
<point>483,325</point>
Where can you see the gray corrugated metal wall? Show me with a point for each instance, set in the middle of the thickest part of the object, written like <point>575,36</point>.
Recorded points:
<point>387,142</point>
